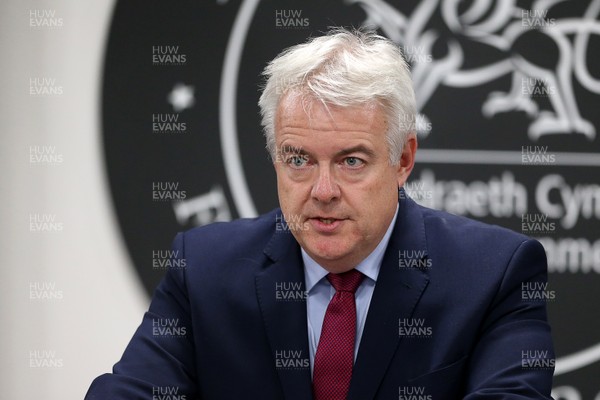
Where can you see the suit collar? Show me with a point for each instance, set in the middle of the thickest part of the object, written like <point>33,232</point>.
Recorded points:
<point>282,240</point>
<point>410,226</point>
<point>399,288</point>
<point>281,294</point>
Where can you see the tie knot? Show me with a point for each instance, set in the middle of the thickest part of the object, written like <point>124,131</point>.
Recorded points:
<point>347,281</point>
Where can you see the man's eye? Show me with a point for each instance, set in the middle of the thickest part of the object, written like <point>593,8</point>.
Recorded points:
<point>353,162</point>
<point>296,161</point>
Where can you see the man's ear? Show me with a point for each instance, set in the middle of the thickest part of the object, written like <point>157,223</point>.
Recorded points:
<point>407,160</point>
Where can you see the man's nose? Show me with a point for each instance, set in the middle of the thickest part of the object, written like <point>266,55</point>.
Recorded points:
<point>325,189</point>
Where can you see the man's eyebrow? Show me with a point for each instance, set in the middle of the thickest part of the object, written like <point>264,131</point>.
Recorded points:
<point>289,149</point>
<point>357,149</point>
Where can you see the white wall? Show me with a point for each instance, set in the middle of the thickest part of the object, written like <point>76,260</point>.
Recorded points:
<point>102,301</point>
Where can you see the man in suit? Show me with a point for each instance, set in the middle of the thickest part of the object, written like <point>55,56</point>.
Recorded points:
<point>351,290</point>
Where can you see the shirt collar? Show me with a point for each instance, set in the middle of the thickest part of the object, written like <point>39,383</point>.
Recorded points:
<point>370,266</point>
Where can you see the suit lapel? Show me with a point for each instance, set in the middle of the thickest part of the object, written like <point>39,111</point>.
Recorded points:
<point>281,292</point>
<point>398,290</point>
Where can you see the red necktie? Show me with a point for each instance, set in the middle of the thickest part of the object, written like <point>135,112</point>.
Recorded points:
<point>335,353</point>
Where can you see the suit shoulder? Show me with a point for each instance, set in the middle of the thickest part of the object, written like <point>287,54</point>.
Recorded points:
<point>236,234</point>
<point>486,254</point>
<point>469,231</point>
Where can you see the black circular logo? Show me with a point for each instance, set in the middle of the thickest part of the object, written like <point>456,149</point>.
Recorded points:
<point>507,126</point>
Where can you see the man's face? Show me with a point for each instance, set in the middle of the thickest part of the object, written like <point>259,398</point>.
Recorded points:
<point>337,189</point>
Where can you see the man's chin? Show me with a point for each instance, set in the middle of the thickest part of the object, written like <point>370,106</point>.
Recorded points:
<point>330,254</point>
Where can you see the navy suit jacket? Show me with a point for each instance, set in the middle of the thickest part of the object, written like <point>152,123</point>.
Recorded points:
<point>225,323</point>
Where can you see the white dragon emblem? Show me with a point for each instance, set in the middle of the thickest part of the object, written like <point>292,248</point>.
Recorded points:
<point>498,24</point>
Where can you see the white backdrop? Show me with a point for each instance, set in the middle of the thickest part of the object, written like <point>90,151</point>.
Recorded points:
<point>68,299</point>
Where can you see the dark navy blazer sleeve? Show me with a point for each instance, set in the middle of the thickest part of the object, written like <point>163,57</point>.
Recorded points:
<point>514,356</point>
<point>159,360</point>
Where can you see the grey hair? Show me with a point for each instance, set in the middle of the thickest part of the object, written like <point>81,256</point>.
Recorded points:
<point>343,68</point>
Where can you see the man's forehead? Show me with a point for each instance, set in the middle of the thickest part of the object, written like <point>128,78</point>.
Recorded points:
<point>296,110</point>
